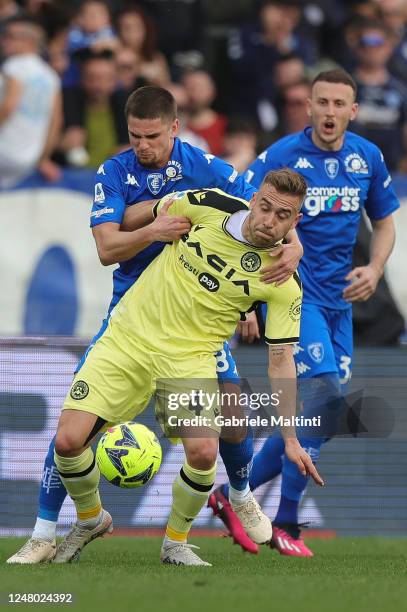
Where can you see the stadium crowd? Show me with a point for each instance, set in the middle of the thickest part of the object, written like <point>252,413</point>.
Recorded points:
<point>239,72</point>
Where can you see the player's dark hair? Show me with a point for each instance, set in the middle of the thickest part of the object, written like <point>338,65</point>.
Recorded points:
<point>337,75</point>
<point>151,102</point>
<point>286,180</point>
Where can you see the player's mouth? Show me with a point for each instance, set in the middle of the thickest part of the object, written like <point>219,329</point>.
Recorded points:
<point>328,126</point>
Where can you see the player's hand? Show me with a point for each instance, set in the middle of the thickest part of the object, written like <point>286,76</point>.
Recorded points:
<point>363,284</point>
<point>167,228</point>
<point>295,453</point>
<point>249,329</point>
<point>50,170</point>
<point>280,271</point>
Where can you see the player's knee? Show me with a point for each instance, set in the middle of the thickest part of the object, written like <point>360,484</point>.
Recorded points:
<point>203,456</point>
<point>67,443</point>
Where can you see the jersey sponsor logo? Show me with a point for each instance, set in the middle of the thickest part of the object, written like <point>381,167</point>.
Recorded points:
<point>99,193</point>
<point>302,162</point>
<point>295,309</point>
<point>356,164</point>
<point>316,351</point>
<point>217,263</point>
<point>101,170</point>
<point>331,165</point>
<point>209,282</point>
<point>103,211</point>
<point>131,180</point>
<point>155,182</point>
<point>79,390</point>
<point>331,199</point>
<point>387,182</point>
<point>250,262</point>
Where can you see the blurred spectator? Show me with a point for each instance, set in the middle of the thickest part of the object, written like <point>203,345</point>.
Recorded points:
<point>288,69</point>
<point>254,51</point>
<point>128,69</point>
<point>294,107</point>
<point>179,24</point>
<point>8,9</point>
<point>91,29</point>
<point>394,15</point>
<point>30,105</point>
<point>202,119</point>
<point>95,127</point>
<point>56,52</point>
<point>382,115</point>
<point>137,32</point>
<point>239,146</point>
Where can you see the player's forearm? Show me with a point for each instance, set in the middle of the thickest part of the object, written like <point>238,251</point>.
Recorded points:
<point>283,380</point>
<point>382,243</point>
<point>138,215</point>
<point>54,128</point>
<point>116,247</point>
<point>11,98</point>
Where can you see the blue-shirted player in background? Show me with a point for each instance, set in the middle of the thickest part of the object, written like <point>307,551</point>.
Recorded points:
<point>345,174</point>
<point>157,164</point>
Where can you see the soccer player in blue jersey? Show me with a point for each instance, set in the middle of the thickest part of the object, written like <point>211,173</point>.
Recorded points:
<point>157,164</point>
<point>345,174</point>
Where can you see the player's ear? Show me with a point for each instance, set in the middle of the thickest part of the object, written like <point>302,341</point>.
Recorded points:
<point>175,127</point>
<point>253,200</point>
<point>354,111</point>
<point>297,219</point>
<point>309,107</point>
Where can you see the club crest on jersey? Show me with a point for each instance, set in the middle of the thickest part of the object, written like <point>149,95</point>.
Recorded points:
<point>79,390</point>
<point>155,182</point>
<point>356,164</point>
<point>250,262</point>
<point>331,167</point>
<point>316,351</point>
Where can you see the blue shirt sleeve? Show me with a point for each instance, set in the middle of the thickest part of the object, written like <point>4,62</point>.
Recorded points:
<point>218,173</point>
<point>109,198</point>
<point>381,198</point>
<point>268,160</point>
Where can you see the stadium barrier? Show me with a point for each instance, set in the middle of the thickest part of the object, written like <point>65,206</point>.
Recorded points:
<point>365,468</point>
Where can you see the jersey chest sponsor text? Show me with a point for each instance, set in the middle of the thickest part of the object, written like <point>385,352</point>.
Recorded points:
<point>216,262</point>
<point>331,200</point>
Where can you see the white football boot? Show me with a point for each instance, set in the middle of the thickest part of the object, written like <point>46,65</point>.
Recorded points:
<point>180,553</point>
<point>69,549</point>
<point>34,550</point>
<point>255,523</point>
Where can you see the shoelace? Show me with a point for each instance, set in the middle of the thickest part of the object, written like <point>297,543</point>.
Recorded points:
<point>252,511</point>
<point>185,548</point>
<point>29,547</point>
<point>73,538</point>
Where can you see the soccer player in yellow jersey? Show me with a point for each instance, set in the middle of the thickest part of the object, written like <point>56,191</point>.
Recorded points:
<point>162,337</point>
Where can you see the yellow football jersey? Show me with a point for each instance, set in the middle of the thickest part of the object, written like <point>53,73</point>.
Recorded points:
<point>189,300</point>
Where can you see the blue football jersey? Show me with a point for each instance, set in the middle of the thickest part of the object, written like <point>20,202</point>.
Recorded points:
<point>340,184</point>
<point>121,181</point>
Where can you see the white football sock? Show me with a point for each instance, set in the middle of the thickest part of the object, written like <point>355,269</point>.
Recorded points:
<point>237,498</point>
<point>44,530</point>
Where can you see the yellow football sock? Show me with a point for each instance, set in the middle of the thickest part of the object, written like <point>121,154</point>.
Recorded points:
<point>80,476</point>
<point>190,491</point>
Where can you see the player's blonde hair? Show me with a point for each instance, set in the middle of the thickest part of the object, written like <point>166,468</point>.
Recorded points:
<point>286,180</point>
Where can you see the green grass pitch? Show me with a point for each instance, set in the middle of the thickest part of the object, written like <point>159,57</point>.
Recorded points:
<point>120,574</point>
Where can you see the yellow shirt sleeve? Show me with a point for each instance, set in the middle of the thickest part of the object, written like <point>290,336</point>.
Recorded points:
<point>284,313</point>
<point>198,204</point>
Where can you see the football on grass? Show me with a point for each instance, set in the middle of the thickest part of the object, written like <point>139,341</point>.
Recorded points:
<point>128,455</point>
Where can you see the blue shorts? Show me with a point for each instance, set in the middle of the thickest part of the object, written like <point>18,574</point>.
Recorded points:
<point>225,364</point>
<point>326,342</point>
